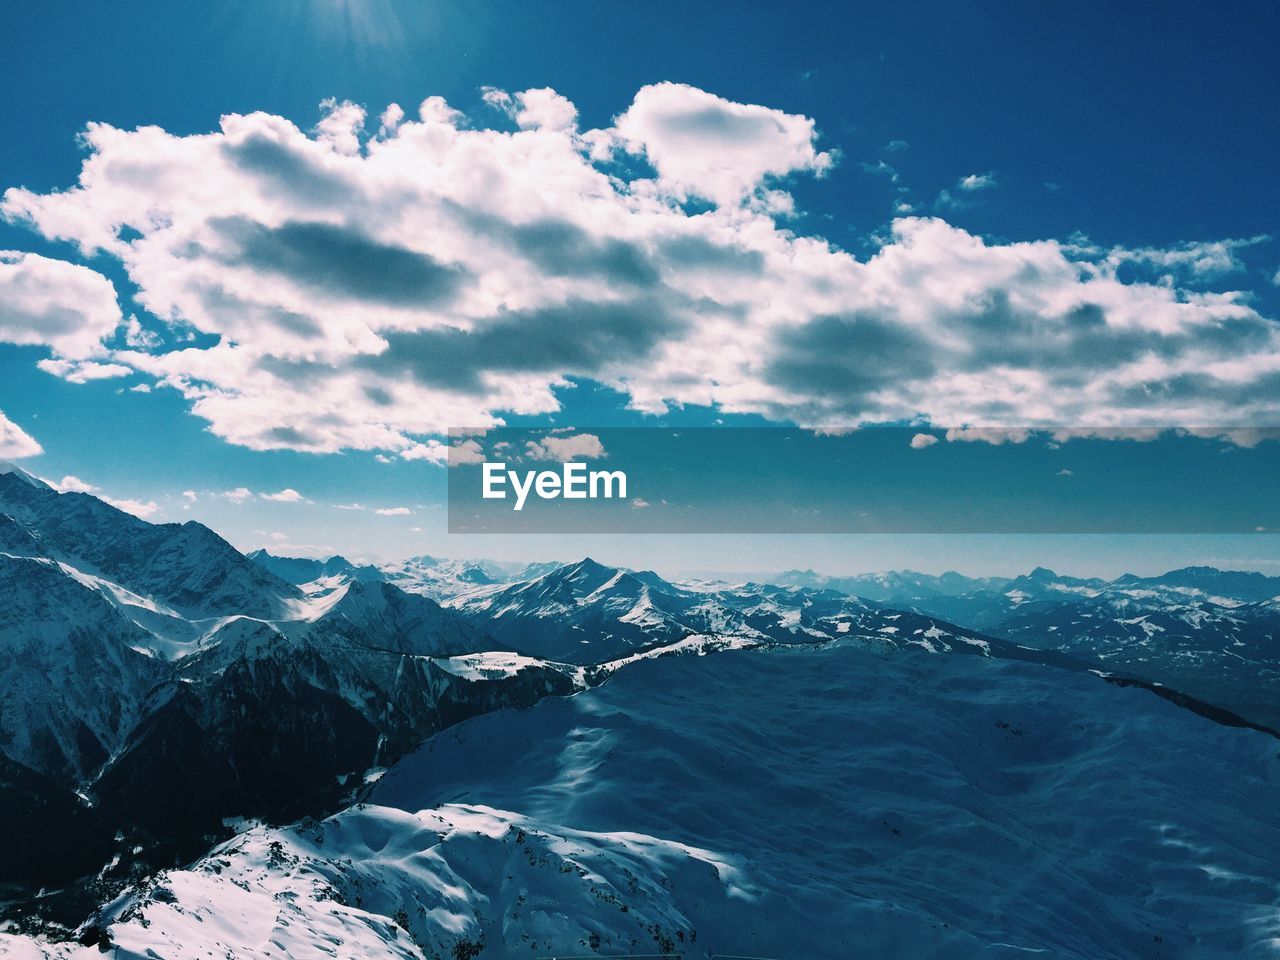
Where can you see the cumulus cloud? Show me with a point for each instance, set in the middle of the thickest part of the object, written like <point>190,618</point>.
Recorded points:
<point>65,307</point>
<point>977,181</point>
<point>433,451</point>
<point>332,289</point>
<point>922,440</point>
<point>992,435</point>
<point>535,109</point>
<point>577,446</point>
<point>83,371</point>
<point>287,495</point>
<point>1188,261</point>
<point>393,511</point>
<point>139,508</point>
<point>70,484</point>
<point>462,452</point>
<point>705,146</point>
<point>238,496</point>
<point>16,442</point>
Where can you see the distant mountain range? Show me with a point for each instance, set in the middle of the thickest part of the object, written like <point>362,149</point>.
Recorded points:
<point>1207,633</point>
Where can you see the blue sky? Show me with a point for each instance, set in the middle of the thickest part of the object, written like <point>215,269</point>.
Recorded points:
<point>1128,139</point>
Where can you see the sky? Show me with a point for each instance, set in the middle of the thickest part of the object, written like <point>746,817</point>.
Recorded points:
<point>240,286</point>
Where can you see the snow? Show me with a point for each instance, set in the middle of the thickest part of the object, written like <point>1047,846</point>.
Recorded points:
<point>491,664</point>
<point>739,797</point>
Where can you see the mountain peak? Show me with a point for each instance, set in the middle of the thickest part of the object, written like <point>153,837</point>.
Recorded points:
<point>18,473</point>
<point>585,567</point>
<point>1042,574</point>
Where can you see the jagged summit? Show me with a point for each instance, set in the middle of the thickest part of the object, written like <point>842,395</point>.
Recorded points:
<point>300,570</point>
<point>13,470</point>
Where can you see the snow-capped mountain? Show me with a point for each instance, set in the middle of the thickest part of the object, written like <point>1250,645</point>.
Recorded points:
<point>583,612</point>
<point>820,802</point>
<point>187,567</point>
<point>890,584</point>
<point>300,570</point>
<point>439,578</point>
<point>156,683</point>
<point>589,613</point>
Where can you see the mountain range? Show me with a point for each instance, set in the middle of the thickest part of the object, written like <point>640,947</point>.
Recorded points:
<point>210,753</point>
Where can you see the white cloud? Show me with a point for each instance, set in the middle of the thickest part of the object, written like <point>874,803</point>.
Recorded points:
<point>391,118</point>
<point>348,506</point>
<point>140,388</point>
<point>70,484</point>
<point>370,295</point>
<point>189,496</point>
<point>393,511</point>
<point>639,503</point>
<point>83,371</point>
<point>136,335</point>
<point>705,146</point>
<point>287,495</point>
<point>1201,260</point>
<point>137,507</point>
<point>67,308</point>
<point>238,495</point>
<point>977,181</point>
<point>541,109</point>
<point>1064,472</point>
<point>578,446</point>
<point>922,440</point>
<point>16,442</point>
<point>992,435</point>
<point>465,451</point>
<point>433,451</point>
<point>340,126</point>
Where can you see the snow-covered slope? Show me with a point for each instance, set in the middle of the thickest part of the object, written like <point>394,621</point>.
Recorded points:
<point>821,802</point>
<point>1229,655</point>
<point>386,617</point>
<point>74,673</point>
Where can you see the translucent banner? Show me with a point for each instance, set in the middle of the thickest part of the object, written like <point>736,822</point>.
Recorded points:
<point>873,480</point>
